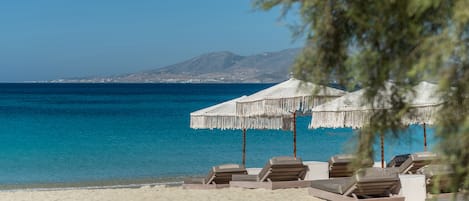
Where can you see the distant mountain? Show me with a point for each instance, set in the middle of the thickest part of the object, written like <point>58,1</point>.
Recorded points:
<point>216,67</point>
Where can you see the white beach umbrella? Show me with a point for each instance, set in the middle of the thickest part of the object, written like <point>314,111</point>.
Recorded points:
<point>223,116</point>
<point>353,111</point>
<point>289,97</point>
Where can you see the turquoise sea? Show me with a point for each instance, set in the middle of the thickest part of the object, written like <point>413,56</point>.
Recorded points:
<point>63,134</point>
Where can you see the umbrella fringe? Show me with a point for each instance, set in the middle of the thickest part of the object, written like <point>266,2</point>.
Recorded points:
<point>420,115</point>
<point>272,107</point>
<point>358,118</point>
<point>233,122</point>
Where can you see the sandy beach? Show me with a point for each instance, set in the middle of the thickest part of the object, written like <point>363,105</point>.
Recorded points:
<point>155,193</point>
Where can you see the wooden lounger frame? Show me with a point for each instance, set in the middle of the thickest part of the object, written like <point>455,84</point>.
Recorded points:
<point>368,183</point>
<point>218,177</point>
<point>278,173</point>
<point>337,197</point>
<point>417,161</point>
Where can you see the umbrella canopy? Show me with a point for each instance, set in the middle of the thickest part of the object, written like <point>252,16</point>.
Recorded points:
<point>425,103</point>
<point>223,116</point>
<point>351,110</point>
<point>289,96</point>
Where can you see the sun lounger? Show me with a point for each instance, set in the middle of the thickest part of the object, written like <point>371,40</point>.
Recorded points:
<point>372,184</point>
<point>340,165</point>
<point>218,177</point>
<point>279,172</point>
<point>397,160</point>
<point>417,161</point>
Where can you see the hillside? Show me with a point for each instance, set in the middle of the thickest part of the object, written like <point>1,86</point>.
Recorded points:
<point>217,67</point>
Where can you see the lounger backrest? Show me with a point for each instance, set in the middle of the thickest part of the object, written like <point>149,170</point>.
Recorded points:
<point>374,182</point>
<point>341,165</point>
<point>417,161</point>
<point>397,160</point>
<point>222,174</point>
<point>283,168</point>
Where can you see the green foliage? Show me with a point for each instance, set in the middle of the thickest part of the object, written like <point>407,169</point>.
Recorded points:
<point>368,42</point>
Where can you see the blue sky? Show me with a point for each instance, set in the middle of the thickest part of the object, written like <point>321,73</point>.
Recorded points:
<point>51,39</point>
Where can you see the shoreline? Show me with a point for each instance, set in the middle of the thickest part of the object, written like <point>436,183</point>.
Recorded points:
<point>120,186</point>
<point>101,184</point>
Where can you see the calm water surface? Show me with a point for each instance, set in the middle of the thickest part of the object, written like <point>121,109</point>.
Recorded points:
<point>61,133</point>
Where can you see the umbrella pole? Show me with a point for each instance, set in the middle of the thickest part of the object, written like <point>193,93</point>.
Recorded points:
<point>244,146</point>
<point>382,150</point>
<point>424,137</point>
<point>294,134</point>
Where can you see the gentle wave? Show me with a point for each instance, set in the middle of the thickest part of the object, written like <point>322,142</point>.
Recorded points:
<point>178,181</point>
